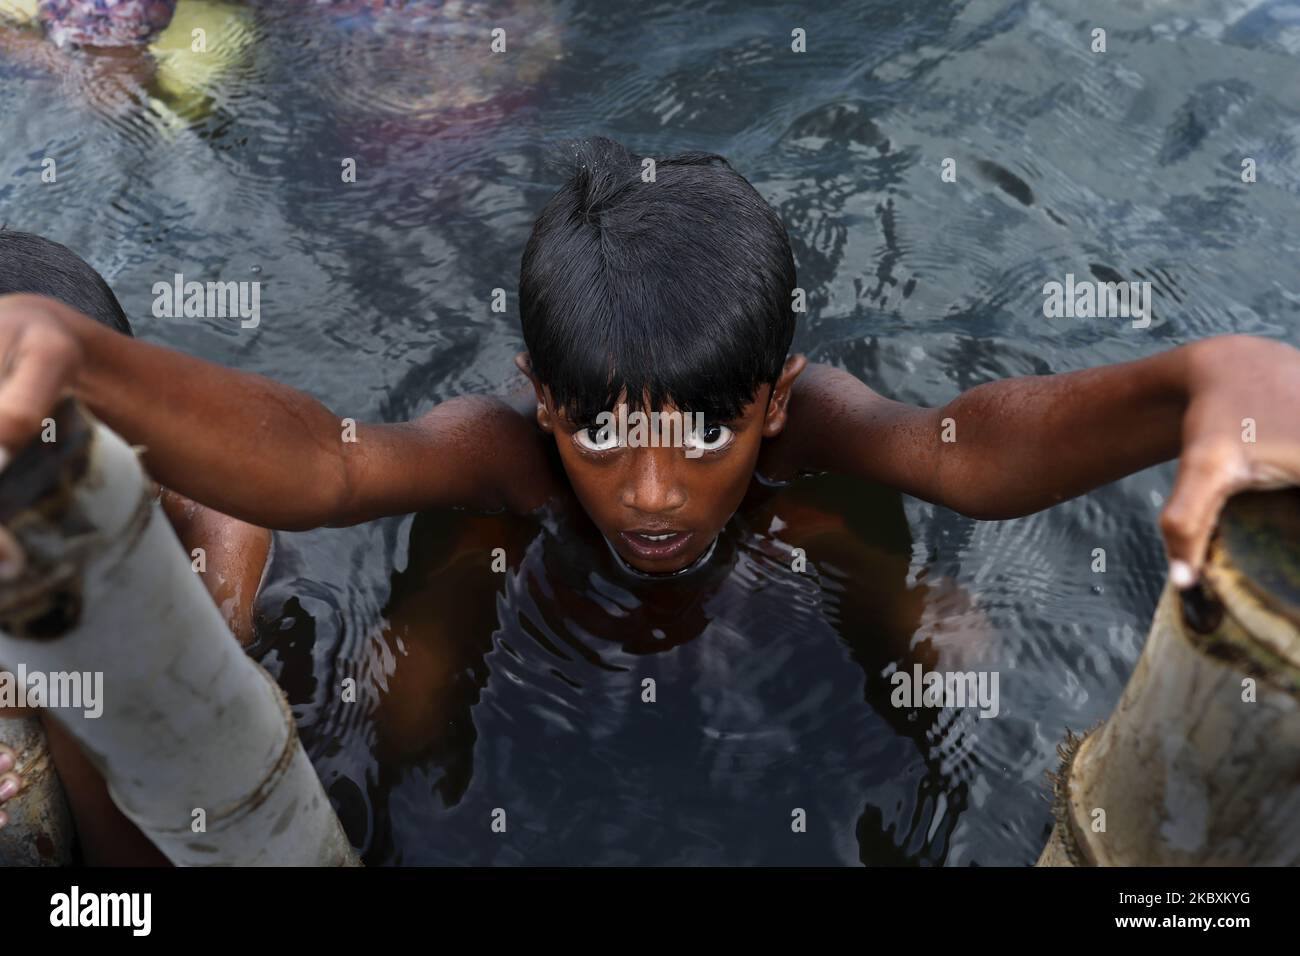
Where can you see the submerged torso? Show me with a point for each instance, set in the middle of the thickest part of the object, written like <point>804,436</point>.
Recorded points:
<point>605,718</point>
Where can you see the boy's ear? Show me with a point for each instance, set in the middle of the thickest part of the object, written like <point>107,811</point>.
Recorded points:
<point>778,402</point>
<point>544,421</point>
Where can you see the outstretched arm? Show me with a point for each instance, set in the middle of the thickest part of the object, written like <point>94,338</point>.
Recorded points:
<point>240,443</point>
<point>1229,406</point>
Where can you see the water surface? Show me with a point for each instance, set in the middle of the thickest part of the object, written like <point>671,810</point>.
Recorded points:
<point>772,686</point>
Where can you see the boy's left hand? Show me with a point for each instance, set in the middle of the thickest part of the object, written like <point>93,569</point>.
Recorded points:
<point>1241,430</point>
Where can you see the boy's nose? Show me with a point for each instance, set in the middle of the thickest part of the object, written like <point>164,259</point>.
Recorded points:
<point>653,486</point>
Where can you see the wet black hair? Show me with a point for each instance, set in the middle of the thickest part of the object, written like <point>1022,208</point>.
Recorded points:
<point>676,291</point>
<point>30,263</point>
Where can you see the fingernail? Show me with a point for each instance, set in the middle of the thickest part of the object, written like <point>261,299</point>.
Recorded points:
<point>1181,574</point>
<point>6,762</point>
<point>8,789</point>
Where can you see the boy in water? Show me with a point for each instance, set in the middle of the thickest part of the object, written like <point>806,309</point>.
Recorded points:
<point>669,296</point>
<point>32,265</point>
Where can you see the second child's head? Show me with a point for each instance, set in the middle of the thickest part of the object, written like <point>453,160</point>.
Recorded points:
<point>40,266</point>
<point>658,288</point>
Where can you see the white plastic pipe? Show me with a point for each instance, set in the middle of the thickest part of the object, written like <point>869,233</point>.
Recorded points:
<point>195,740</point>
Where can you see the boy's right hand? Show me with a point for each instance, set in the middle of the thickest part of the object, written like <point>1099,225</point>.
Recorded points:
<point>40,354</point>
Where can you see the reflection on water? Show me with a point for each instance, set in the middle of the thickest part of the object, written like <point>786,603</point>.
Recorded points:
<point>608,714</point>
<point>525,690</point>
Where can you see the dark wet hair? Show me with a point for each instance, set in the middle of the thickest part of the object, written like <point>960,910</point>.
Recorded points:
<point>33,264</point>
<point>677,290</point>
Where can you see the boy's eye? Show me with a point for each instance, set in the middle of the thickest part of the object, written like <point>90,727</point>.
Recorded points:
<point>711,437</point>
<point>597,437</point>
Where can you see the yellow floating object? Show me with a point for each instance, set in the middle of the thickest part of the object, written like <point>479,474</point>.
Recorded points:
<point>22,11</point>
<point>205,39</point>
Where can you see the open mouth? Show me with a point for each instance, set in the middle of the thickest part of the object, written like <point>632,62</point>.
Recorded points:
<point>656,545</point>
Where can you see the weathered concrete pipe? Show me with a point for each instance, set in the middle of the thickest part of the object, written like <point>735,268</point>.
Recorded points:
<point>195,740</point>
<point>1200,762</point>
<point>39,832</point>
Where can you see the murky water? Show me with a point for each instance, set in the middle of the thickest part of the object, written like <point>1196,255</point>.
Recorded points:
<point>772,687</point>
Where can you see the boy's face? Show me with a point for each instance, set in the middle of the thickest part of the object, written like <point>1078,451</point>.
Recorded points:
<point>661,508</point>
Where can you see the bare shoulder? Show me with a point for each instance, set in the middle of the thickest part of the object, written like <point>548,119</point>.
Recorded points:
<point>833,417</point>
<point>495,443</point>
<point>823,385</point>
